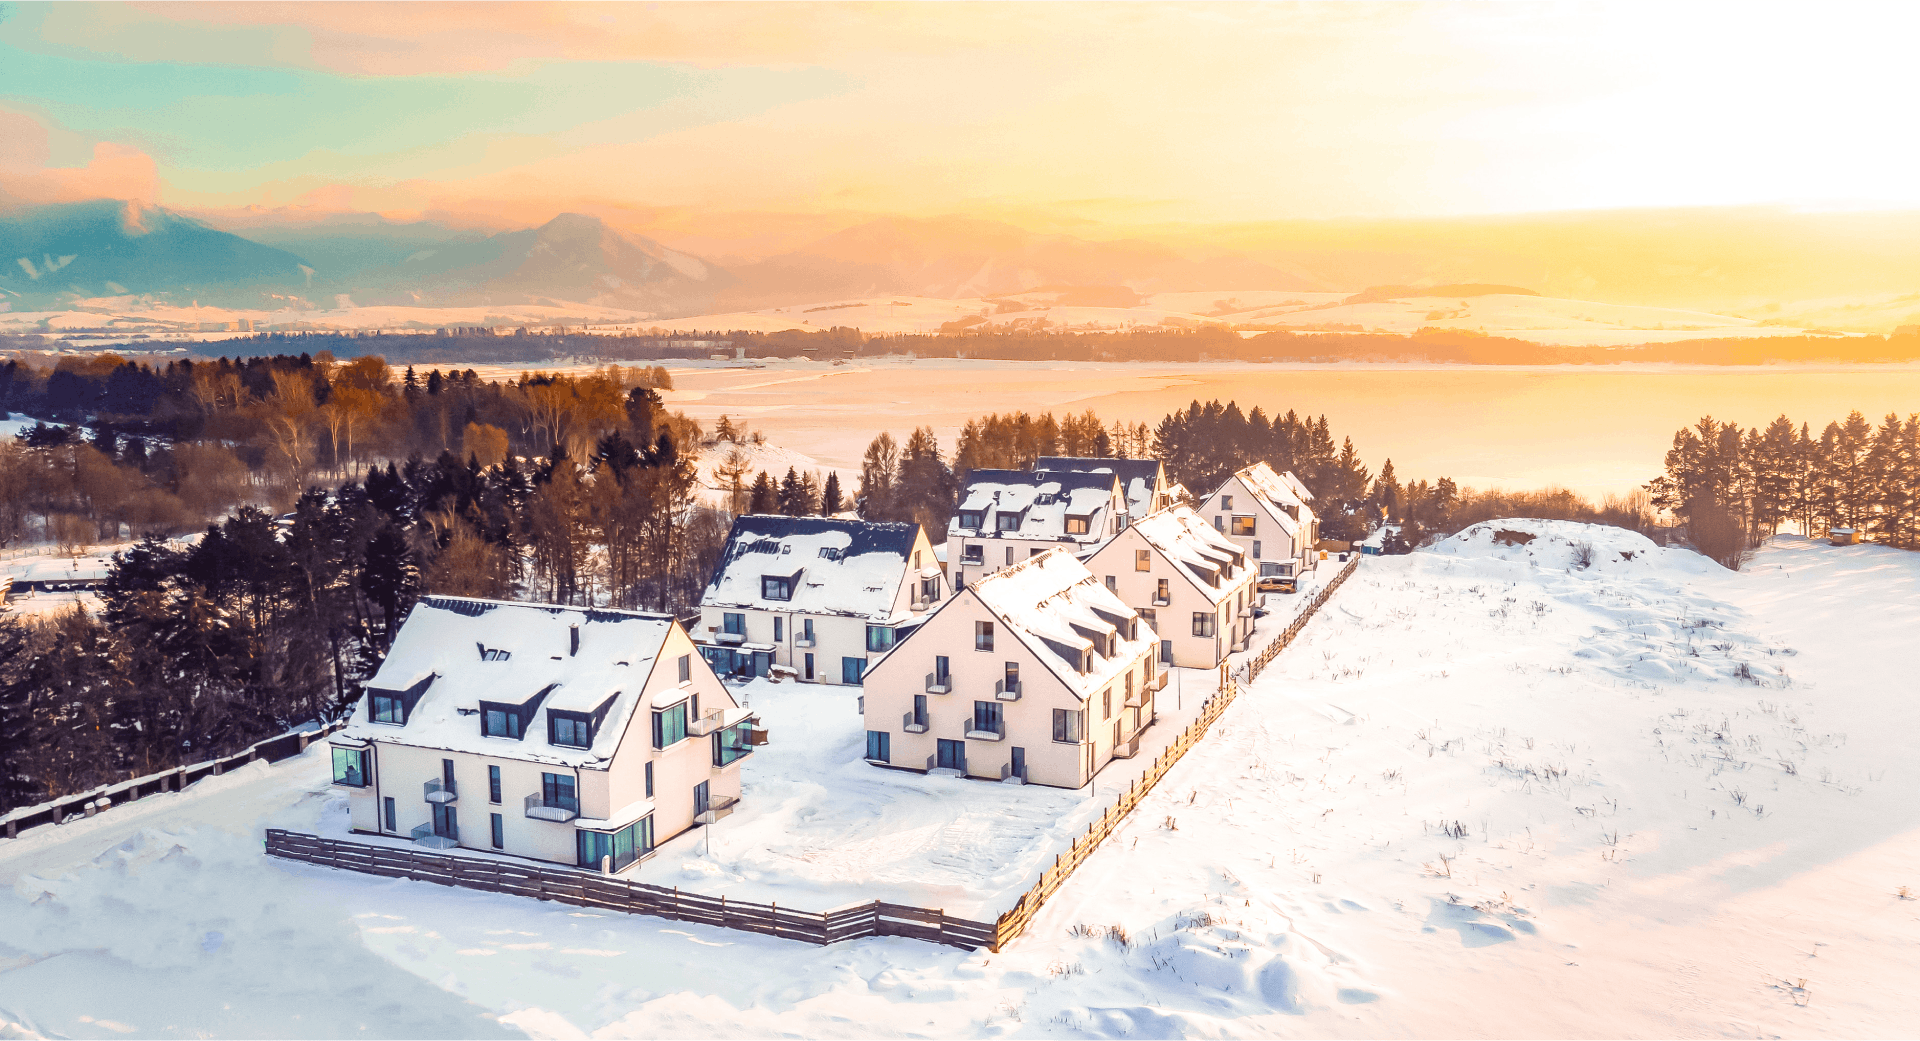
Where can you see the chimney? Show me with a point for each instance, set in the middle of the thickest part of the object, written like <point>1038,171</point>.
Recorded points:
<point>573,632</point>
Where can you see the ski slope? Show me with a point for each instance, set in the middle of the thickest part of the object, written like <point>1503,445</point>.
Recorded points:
<point>1489,792</point>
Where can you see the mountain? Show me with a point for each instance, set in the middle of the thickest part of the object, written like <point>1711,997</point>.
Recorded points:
<point>961,257</point>
<point>50,255</point>
<point>572,258</point>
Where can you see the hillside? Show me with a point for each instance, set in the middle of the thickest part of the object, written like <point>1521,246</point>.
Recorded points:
<point>54,254</point>
<point>1490,793</point>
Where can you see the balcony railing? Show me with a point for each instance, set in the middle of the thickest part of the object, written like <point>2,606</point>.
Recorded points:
<point>441,791</point>
<point>1007,770</point>
<point>706,724</point>
<point>424,835</point>
<point>913,724</point>
<point>1004,691</point>
<point>559,809</point>
<point>1161,601</point>
<point>729,637</point>
<point>1159,681</point>
<point>1139,697</point>
<point>985,731</point>
<point>718,807</point>
<point>803,641</point>
<point>939,683</point>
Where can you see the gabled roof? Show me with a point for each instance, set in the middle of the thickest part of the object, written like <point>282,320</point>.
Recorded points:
<point>1193,548</point>
<point>441,656</point>
<point>1050,603</point>
<point>836,567</point>
<point>1280,496</point>
<point>1044,499</point>
<point>1139,478</point>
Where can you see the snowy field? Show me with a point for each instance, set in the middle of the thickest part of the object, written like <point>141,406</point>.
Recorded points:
<point>1488,793</point>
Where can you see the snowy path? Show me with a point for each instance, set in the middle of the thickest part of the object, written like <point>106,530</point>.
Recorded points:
<point>1628,852</point>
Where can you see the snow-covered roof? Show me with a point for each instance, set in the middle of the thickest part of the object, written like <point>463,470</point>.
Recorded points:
<point>1043,501</point>
<point>1055,607</point>
<point>1194,549</point>
<point>1139,478</point>
<point>1280,496</point>
<point>832,567</point>
<point>453,653</point>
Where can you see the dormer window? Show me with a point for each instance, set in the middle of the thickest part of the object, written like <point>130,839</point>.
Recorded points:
<point>495,654</point>
<point>500,722</point>
<point>388,708</point>
<point>569,729</point>
<point>776,587</point>
<point>1077,525</point>
<point>971,519</point>
<point>1007,521</point>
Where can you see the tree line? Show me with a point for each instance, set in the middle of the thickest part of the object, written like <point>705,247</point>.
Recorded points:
<point>1733,487</point>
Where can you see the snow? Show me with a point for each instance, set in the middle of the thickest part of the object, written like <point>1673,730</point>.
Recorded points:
<point>836,567</point>
<point>1049,602</point>
<point>1191,544</point>
<point>1280,496</point>
<point>1140,479</point>
<point>442,642</point>
<point>1587,729</point>
<point>1043,498</point>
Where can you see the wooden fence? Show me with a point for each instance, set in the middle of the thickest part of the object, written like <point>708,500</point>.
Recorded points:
<point>584,889</point>
<point>1011,924</point>
<point>875,918</point>
<point>271,750</point>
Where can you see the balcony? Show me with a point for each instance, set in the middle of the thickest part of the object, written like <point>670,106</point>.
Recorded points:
<point>939,683</point>
<point>913,724</point>
<point>804,641</point>
<point>717,808</point>
<point>1158,682</point>
<point>1127,749</point>
<point>707,724</point>
<point>424,835</point>
<point>730,638</point>
<point>1139,697</point>
<point>1004,691</point>
<point>441,791</point>
<point>1007,770</point>
<point>987,732</point>
<point>559,810</point>
<point>1162,601</point>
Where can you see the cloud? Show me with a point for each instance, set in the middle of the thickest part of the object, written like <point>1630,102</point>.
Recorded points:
<point>26,175</point>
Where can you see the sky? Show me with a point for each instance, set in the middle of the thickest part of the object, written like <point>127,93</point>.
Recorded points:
<point>1130,114</point>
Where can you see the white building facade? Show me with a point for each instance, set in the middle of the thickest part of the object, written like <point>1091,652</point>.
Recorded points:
<point>814,597</point>
<point>1037,671</point>
<point>1006,516</point>
<point>1194,586</point>
<point>562,734</point>
<point>1268,515</point>
<point>1142,481</point>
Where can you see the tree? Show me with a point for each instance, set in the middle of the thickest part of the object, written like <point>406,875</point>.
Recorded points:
<point>765,498</point>
<point>791,499</point>
<point>879,470</point>
<point>830,501</point>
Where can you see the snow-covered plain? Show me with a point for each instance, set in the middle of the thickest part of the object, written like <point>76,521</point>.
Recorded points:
<point>1489,792</point>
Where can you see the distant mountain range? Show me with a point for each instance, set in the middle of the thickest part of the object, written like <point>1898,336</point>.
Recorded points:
<point>56,255</point>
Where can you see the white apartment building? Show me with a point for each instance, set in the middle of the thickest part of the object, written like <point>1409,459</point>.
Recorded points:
<point>1006,516</point>
<point>1266,514</point>
<point>1191,584</point>
<point>1142,481</point>
<point>563,734</point>
<point>1037,671</point>
<point>816,597</point>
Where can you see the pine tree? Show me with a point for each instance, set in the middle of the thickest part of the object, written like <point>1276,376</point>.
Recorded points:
<point>764,498</point>
<point>791,499</point>
<point>830,499</point>
<point>879,471</point>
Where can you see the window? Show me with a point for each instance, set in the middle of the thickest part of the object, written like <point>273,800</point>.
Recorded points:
<point>920,710</point>
<point>777,634</point>
<point>495,654</point>
<point>1148,616</point>
<point>1012,675</point>
<point>1068,725</point>
<point>1226,502</point>
<point>1106,702</point>
<point>1256,547</point>
<point>970,553</point>
<point>1219,523</point>
<point>806,629</point>
<point>392,819</point>
<point>983,636</point>
<point>572,729</point>
<point>1160,593</point>
<point>493,784</point>
<point>1005,521</point>
<point>1077,525</point>
<point>557,790</point>
<point>732,744</point>
<point>1129,682</point>
<point>971,520</point>
<point>499,722</point>
<point>617,848</point>
<point>1009,554</point>
<point>776,587</point>
<point>389,708</point>
<point>1113,584</point>
<point>1143,560</point>
<point>878,746</point>
<point>499,831</point>
<point>350,767</point>
<point>950,755</point>
<point>1166,652</point>
<point>1033,552</point>
<point>1243,524</point>
<point>987,718</point>
<point>879,638</point>
<point>670,725</point>
<point>649,776</point>
<point>941,669</point>
<point>733,624</point>
<point>852,670</point>
<point>1203,623</point>
<point>686,667</point>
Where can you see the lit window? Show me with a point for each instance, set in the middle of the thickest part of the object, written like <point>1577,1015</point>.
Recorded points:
<point>1143,560</point>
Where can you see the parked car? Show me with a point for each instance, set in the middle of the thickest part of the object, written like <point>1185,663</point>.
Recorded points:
<point>1277,584</point>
